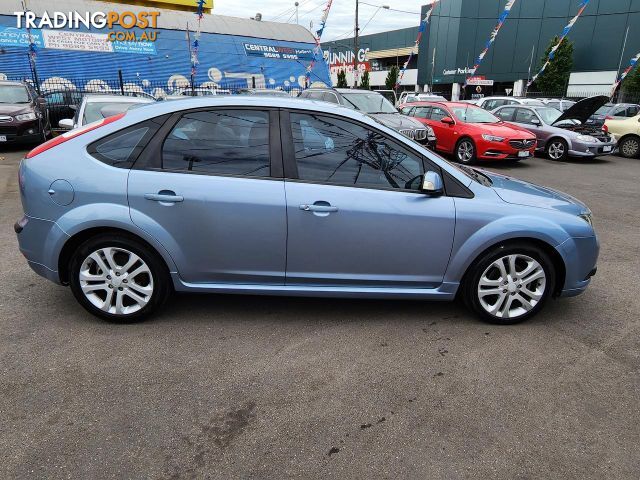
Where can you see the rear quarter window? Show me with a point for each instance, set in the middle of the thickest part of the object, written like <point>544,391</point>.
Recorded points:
<point>122,148</point>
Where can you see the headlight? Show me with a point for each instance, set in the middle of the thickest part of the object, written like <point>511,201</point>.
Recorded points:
<point>26,116</point>
<point>430,132</point>
<point>587,217</point>
<point>587,138</point>
<point>492,138</point>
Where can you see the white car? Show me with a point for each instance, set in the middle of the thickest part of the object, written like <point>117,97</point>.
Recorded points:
<point>491,103</point>
<point>408,97</point>
<point>95,107</point>
<point>180,93</point>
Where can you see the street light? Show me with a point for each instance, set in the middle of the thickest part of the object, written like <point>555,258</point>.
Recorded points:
<point>355,38</point>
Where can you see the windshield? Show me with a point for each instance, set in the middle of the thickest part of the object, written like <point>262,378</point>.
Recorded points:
<point>472,114</point>
<point>14,94</point>
<point>369,102</point>
<point>99,110</point>
<point>548,114</point>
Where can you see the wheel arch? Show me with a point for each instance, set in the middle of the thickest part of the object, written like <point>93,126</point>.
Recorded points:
<point>77,239</point>
<point>554,255</point>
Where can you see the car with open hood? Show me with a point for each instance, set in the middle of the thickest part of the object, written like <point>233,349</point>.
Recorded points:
<point>627,133</point>
<point>377,107</point>
<point>23,114</point>
<point>471,133</point>
<point>563,134</point>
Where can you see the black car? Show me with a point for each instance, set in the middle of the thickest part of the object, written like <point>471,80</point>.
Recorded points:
<point>613,110</point>
<point>23,114</point>
<point>377,107</point>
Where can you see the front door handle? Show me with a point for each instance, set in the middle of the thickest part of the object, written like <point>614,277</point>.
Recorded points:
<point>319,208</point>
<point>164,196</point>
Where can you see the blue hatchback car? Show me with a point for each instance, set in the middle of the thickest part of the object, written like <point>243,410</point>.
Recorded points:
<point>284,196</point>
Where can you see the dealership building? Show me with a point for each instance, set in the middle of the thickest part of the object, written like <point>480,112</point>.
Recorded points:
<point>459,30</point>
<point>233,53</point>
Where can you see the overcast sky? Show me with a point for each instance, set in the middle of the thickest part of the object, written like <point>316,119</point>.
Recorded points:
<point>341,17</point>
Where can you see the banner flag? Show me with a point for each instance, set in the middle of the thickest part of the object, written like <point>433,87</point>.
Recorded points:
<point>492,38</point>
<point>565,32</point>
<point>626,72</point>
<point>317,49</point>
<point>421,30</point>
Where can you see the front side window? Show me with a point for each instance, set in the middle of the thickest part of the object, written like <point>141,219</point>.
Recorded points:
<point>524,115</point>
<point>223,142</point>
<point>334,151</point>
<point>505,113</point>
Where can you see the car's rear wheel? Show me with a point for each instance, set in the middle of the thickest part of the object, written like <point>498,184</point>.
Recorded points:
<point>118,278</point>
<point>509,284</point>
<point>557,150</point>
<point>629,147</point>
<point>465,151</point>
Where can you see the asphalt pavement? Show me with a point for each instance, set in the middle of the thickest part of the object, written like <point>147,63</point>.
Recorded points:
<point>274,388</point>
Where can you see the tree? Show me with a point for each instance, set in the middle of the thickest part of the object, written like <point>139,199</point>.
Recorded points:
<point>342,79</point>
<point>364,81</point>
<point>631,83</point>
<point>392,78</point>
<point>554,80</point>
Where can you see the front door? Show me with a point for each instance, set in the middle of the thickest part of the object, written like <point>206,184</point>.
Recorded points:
<point>526,118</point>
<point>206,193</point>
<point>445,133</point>
<point>355,214</point>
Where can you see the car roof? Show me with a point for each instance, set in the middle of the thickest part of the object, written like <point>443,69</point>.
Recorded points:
<point>12,82</point>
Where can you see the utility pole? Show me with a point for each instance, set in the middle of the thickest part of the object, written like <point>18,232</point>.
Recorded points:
<point>355,48</point>
<point>297,22</point>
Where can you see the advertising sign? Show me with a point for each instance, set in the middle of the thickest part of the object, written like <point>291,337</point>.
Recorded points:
<point>83,41</point>
<point>18,37</point>
<point>479,81</point>
<point>277,51</point>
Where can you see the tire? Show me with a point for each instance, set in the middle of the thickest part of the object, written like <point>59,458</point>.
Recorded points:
<point>465,151</point>
<point>629,147</point>
<point>515,301</point>
<point>116,301</point>
<point>557,150</point>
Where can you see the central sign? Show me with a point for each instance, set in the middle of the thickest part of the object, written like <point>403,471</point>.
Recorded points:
<point>278,52</point>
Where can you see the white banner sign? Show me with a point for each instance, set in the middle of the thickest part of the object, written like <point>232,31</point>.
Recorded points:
<point>87,42</point>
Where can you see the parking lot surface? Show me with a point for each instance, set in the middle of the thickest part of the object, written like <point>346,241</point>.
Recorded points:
<point>259,387</point>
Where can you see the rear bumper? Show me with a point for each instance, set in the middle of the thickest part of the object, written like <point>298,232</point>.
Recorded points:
<point>40,242</point>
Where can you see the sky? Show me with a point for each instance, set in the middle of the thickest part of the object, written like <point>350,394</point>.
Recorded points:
<point>341,17</point>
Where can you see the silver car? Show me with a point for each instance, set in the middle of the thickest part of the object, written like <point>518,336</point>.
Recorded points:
<point>562,134</point>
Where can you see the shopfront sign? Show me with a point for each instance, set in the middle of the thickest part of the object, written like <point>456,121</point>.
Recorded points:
<point>277,52</point>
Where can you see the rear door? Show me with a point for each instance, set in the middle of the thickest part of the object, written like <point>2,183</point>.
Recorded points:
<point>209,188</point>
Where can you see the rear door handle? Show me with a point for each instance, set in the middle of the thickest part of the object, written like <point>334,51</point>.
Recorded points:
<point>169,197</point>
<point>319,208</point>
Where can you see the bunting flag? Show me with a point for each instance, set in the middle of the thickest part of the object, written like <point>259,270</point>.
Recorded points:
<point>196,37</point>
<point>317,49</point>
<point>421,30</point>
<point>565,32</point>
<point>492,38</point>
<point>626,72</point>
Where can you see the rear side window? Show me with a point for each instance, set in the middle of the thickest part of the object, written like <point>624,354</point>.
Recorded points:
<point>121,149</point>
<point>221,142</point>
<point>422,112</point>
<point>438,114</point>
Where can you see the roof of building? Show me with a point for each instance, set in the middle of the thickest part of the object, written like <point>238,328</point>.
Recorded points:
<point>173,19</point>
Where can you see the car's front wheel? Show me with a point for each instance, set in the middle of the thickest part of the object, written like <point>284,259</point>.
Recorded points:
<point>510,283</point>
<point>557,150</point>
<point>118,278</point>
<point>466,151</point>
<point>630,147</point>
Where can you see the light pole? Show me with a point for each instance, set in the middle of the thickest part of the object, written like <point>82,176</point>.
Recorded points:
<point>297,4</point>
<point>356,38</point>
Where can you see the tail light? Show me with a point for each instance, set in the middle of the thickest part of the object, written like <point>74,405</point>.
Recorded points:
<point>608,117</point>
<point>605,128</point>
<point>72,134</point>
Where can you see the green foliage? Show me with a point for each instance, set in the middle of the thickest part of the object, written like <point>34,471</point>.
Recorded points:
<point>392,78</point>
<point>364,81</point>
<point>555,78</point>
<point>342,79</point>
<point>631,84</point>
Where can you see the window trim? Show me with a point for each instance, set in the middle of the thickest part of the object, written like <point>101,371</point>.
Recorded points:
<point>291,165</point>
<point>151,157</point>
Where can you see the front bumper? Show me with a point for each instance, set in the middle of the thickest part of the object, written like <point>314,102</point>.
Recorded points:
<point>501,151</point>
<point>591,150</point>
<point>581,257</point>
<point>21,132</point>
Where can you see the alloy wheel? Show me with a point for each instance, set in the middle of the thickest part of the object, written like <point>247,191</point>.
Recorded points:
<point>556,150</point>
<point>116,281</point>
<point>511,286</point>
<point>630,147</point>
<point>465,151</point>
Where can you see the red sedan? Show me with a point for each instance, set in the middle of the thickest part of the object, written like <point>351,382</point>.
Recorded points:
<point>471,133</point>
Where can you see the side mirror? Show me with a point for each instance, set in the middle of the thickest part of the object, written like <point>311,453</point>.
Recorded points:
<point>432,183</point>
<point>448,121</point>
<point>535,121</point>
<point>66,123</point>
